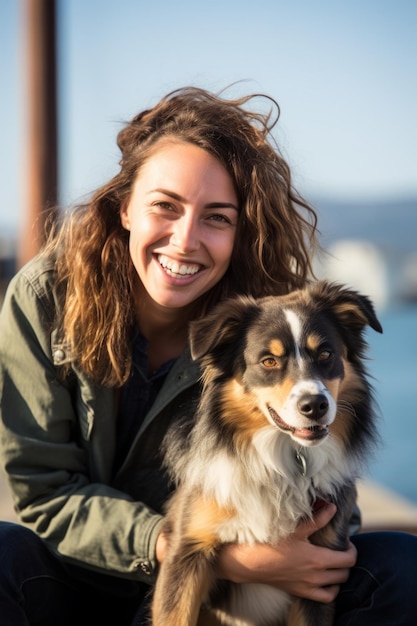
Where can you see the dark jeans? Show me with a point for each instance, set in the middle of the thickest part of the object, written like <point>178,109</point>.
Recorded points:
<point>382,587</point>
<point>36,589</point>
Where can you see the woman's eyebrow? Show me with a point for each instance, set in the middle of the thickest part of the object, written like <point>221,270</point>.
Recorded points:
<point>221,205</point>
<point>210,205</point>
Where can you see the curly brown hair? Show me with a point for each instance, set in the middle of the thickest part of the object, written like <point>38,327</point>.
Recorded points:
<point>276,230</point>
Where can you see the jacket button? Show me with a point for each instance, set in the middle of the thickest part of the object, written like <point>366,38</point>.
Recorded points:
<point>59,355</point>
<point>144,566</point>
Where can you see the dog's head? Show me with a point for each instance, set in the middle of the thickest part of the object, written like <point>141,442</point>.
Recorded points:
<point>298,357</point>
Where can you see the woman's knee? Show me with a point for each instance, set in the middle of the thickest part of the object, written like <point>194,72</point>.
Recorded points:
<point>22,551</point>
<point>388,554</point>
<point>15,539</point>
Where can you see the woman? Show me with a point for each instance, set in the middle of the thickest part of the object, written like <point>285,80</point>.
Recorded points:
<point>95,367</point>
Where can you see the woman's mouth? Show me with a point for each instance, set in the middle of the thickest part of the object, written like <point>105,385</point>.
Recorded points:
<point>176,269</point>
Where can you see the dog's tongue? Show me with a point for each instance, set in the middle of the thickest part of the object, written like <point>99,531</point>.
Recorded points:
<point>315,432</point>
<point>304,433</point>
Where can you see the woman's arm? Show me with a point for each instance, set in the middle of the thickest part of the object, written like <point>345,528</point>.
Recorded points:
<point>295,565</point>
<point>46,457</point>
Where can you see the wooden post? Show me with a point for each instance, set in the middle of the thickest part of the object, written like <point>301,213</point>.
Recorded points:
<point>41,180</point>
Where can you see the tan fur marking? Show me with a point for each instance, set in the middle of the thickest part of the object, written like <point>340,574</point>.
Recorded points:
<point>333,387</point>
<point>349,308</point>
<point>276,347</point>
<point>313,341</point>
<point>296,615</point>
<point>350,389</point>
<point>241,408</point>
<point>204,518</point>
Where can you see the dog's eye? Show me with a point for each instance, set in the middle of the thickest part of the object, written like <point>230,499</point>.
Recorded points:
<point>324,355</point>
<point>270,362</point>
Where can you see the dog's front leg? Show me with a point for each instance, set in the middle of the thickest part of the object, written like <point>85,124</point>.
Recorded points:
<point>181,588</point>
<point>310,613</point>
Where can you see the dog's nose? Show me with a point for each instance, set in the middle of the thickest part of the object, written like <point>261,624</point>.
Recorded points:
<point>313,406</point>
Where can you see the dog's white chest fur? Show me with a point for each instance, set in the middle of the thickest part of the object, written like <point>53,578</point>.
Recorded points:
<point>268,485</point>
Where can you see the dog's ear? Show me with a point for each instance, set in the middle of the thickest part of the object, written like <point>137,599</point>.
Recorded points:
<point>223,325</point>
<point>352,308</point>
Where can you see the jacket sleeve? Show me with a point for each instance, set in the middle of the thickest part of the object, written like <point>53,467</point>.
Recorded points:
<point>47,466</point>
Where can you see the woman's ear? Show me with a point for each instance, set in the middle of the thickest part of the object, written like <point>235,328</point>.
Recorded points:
<point>124,216</point>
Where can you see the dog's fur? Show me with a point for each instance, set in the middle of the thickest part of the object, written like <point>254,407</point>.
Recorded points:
<point>286,419</point>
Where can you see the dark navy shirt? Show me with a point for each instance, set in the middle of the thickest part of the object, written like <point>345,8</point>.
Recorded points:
<point>137,395</point>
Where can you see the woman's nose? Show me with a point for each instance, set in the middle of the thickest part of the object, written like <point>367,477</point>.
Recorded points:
<point>185,235</point>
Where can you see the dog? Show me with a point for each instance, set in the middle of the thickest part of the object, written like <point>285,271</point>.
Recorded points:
<point>286,420</point>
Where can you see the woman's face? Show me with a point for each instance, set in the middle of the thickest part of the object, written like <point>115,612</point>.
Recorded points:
<point>182,216</point>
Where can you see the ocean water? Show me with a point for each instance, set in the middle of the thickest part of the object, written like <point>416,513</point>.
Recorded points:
<point>393,366</point>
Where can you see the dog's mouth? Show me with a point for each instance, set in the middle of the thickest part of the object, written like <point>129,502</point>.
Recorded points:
<point>316,431</point>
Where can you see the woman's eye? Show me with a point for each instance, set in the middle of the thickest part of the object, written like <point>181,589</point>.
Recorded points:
<point>218,217</point>
<point>164,205</point>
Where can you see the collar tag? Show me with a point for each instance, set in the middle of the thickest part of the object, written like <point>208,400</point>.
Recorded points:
<point>301,460</point>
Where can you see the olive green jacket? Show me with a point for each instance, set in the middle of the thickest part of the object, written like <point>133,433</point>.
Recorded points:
<point>57,438</point>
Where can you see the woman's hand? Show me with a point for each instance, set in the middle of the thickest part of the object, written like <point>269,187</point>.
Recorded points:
<point>161,547</point>
<point>295,565</point>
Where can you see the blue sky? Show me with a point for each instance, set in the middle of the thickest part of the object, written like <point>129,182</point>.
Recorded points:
<point>343,72</point>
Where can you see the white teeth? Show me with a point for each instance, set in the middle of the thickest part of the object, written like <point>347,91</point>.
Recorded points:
<point>174,267</point>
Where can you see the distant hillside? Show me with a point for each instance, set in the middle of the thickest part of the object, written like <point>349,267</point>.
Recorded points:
<point>390,224</point>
